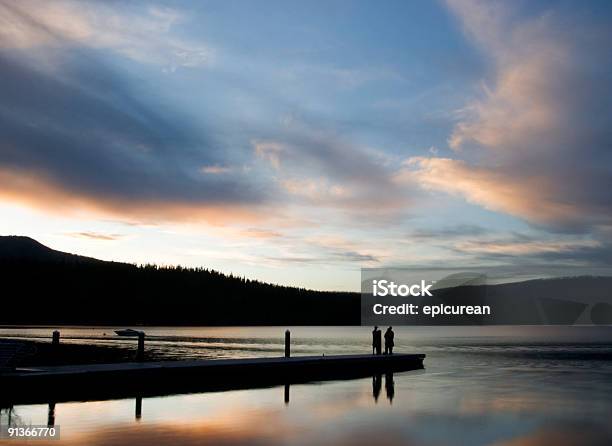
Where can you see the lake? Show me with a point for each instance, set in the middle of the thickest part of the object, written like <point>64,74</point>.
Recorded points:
<point>480,386</point>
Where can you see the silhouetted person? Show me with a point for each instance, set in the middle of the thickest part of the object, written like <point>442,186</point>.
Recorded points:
<point>389,343</point>
<point>389,386</point>
<point>376,341</point>
<point>376,386</point>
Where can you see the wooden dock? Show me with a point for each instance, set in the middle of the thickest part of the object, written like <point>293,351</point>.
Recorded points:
<point>133,379</point>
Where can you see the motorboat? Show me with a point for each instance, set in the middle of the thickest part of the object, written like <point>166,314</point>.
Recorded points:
<point>127,332</point>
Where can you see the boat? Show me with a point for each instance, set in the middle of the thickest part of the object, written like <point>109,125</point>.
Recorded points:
<point>128,332</point>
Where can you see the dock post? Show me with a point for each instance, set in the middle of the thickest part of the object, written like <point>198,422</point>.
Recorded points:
<point>138,408</point>
<point>140,354</point>
<point>56,338</point>
<point>287,344</point>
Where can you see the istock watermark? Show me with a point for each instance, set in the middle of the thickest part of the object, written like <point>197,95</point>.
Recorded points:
<point>485,296</point>
<point>390,288</point>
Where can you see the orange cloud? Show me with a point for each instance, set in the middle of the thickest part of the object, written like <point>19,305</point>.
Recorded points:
<point>524,248</point>
<point>521,107</point>
<point>45,194</point>
<point>95,235</point>
<point>536,129</point>
<point>317,190</point>
<point>534,198</point>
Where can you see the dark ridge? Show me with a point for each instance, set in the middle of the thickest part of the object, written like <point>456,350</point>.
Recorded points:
<point>44,286</point>
<point>17,247</point>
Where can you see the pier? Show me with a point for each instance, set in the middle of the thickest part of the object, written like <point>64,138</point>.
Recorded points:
<point>138,379</point>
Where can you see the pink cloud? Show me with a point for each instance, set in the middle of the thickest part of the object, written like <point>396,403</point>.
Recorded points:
<point>536,140</point>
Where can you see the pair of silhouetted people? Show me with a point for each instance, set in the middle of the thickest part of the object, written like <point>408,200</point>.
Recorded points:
<point>389,386</point>
<point>377,341</point>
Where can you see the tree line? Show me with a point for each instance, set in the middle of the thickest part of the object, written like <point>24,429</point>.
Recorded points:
<point>70,289</point>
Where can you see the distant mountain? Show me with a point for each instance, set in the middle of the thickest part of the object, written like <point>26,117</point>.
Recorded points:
<point>16,248</point>
<point>551,301</point>
<point>40,285</point>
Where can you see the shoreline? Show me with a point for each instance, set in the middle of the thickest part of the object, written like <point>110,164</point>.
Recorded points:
<point>38,353</point>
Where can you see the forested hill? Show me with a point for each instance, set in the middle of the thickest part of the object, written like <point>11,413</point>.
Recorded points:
<point>44,286</point>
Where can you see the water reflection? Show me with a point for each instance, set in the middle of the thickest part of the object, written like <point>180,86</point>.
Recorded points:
<point>440,408</point>
<point>376,386</point>
<point>138,410</point>
<point>389,386</point>
<point>51,415</point>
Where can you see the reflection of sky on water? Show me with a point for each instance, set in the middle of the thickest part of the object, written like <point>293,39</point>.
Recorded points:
<point>338,413</point>
<point>461,405</point>
<point>509,388</point>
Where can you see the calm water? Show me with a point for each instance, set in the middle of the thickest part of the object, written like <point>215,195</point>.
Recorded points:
<point>485,386</point>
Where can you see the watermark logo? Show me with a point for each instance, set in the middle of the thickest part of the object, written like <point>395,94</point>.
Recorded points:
<point>384,288</point>
<point>484,296</point>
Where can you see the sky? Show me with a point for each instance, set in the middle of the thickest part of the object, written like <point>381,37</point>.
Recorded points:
<point>297,142</point>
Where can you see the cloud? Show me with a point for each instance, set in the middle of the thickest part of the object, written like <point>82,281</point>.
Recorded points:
<point>317,167</point>
<point>449,232</point>
<point>95,236</point>
<point>261,233</point>
<point>323,248</point>
<point>534,198</point>
<point>215,169</point>
<point>526,108</point>
<point>524,248</point>
<point>577,253</point>
<point>143,36</point>
<point>329,257</point>
<point>540,131</point>
<point>86,127</point>
<point>82,134</point>
<point>85,135</point>
<point>269,151</point>
<point>315,190</point>
<point>37,192</point>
